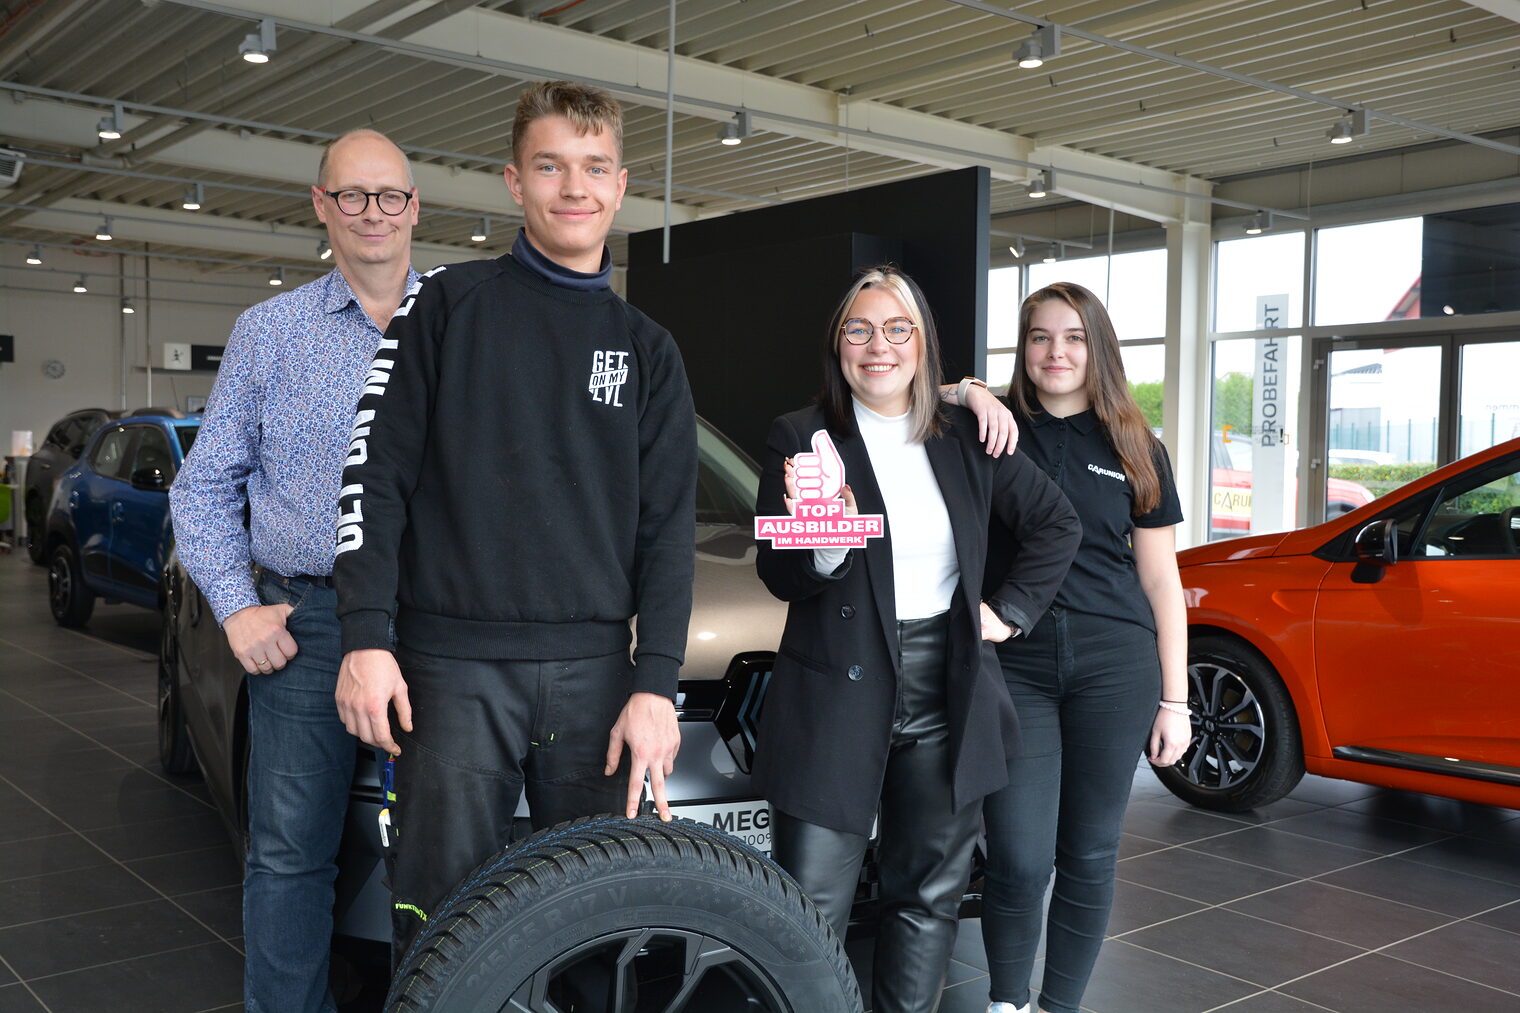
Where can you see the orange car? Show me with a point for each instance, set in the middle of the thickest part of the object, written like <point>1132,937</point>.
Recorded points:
<point>1382,646</point>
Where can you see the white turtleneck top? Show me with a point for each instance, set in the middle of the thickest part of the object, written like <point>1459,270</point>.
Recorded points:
<point>924,567</point>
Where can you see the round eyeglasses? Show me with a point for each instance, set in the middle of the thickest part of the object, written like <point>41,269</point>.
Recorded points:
<point>858,331</point>
<point>353,202</point>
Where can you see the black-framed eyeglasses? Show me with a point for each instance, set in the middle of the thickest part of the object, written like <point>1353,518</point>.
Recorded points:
<point>897,330</point>
<point>353,202</point>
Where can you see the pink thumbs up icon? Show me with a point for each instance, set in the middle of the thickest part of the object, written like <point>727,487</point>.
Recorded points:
<point>819,475</point>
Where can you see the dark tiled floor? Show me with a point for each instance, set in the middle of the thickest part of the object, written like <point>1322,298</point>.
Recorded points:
<point>118,887</point>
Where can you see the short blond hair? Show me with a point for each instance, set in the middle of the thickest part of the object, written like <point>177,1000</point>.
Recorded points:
<point>589,109</point>
<point>322,166</point>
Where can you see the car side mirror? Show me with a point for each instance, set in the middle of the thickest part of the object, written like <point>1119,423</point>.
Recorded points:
<point>150,479</point>
<point>1377,548</point>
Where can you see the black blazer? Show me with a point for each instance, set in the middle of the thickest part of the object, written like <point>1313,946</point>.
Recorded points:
<point>827,722</point>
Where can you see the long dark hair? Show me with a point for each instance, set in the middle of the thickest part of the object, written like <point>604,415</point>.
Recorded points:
<point>1107,389</point>
<point>923,394</point>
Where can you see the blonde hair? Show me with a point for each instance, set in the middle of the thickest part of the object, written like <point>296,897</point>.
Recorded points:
<point>923,393</point>
<point>590,109</point>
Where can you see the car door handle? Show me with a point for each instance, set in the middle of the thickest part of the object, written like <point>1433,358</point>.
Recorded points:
<point>117,511</point>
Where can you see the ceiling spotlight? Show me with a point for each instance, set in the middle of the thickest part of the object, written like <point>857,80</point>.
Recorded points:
<point>127,308</point>
<point>1447,309</point>
<point>1043,43</point>
<point>737,129</point>
<point>195,196</point>
<point>277,277</point>
<point>1350,128</point>
<point>482,231</point>
<point>109,128</point>
<point>80,286</point>
<point>1260,222</point>
<point>104,232</point>
<point>256,46</point>
<point>1017,248</point>
<point>35,257</point>
<point>324,251</point>
<point>1040,185</point>
<point>1056,252</point>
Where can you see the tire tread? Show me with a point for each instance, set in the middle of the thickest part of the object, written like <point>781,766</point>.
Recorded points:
<point>532,870</point>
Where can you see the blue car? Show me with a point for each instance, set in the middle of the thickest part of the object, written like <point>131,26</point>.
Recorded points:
<point>108,533</point>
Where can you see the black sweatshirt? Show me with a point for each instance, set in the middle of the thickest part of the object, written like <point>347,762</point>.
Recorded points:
<point>521,479</point>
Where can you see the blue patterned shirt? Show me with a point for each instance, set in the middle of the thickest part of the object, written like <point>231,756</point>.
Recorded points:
<point>274,437</point>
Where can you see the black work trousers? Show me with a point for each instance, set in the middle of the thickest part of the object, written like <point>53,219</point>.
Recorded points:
<point>924,846</point>
<point>483,732</point>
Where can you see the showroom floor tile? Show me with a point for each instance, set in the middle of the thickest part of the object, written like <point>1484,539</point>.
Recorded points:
<point>118,887</point>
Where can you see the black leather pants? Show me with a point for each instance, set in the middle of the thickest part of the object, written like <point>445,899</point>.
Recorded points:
<point>924,849</point>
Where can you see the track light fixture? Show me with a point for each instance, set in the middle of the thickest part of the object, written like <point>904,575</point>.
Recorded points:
<point>482,231</point>
<point>736,130</point>
<point>1260,222</point>
<point>277,277</point>
<point>1350,128</point>
<point>1043,44</point>
<point>324,251</point>
<point>195,197</point>
<point>110,127</point>
<point>127,308</point>
<point>1041,184</point>
<point>1056,252</point>
<point>35,257</point>
<point>1017,248</point>
<point>103,233</point>
<point>80,286</point>
<point>256,46</point>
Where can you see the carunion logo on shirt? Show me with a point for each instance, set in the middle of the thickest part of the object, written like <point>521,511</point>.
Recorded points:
<point>609,371</point>
<point>1104,471</point>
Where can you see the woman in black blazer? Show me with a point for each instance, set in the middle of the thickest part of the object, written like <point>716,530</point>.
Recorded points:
<point>887,693</point>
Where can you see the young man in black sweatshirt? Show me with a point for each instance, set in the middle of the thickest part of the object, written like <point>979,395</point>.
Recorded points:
<point>519,485</point>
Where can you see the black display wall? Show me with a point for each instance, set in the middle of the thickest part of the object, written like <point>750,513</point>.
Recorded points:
<point>748,295</point>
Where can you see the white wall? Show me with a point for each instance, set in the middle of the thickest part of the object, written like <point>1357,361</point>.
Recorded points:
<point>175,301</point>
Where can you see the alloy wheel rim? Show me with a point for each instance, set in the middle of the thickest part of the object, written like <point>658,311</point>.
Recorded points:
<point>1229,728</point>
<point>60,584</point>
<point>702,962</point>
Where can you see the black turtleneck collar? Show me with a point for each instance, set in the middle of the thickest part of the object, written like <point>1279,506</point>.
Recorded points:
<point>525,253</point>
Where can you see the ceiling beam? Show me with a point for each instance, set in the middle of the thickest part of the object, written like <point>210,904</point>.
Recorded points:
<point>60,123</point>
<point>527,49</point>
<point>1503,8</point>
<point>285,244</point>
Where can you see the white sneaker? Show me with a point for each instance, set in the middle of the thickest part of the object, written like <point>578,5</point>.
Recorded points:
<point>1006,1007</point>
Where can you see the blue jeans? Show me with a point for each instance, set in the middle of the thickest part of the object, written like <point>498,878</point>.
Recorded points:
<point>300,765</point>
<point>1086,689</point>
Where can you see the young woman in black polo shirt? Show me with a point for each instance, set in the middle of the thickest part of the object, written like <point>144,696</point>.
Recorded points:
<point>1103,676</point>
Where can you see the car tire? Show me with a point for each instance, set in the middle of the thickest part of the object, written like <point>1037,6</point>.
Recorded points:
<point>1247,750</point>
<point>174,752</point>
<point>36,546</point>
<point>69,599</point>
<point>690,917</point>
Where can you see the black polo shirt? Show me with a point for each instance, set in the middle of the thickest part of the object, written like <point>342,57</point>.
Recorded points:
<point>1076,454</point>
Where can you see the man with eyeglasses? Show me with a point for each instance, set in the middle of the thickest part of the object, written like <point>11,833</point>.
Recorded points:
<point>274,442</point>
